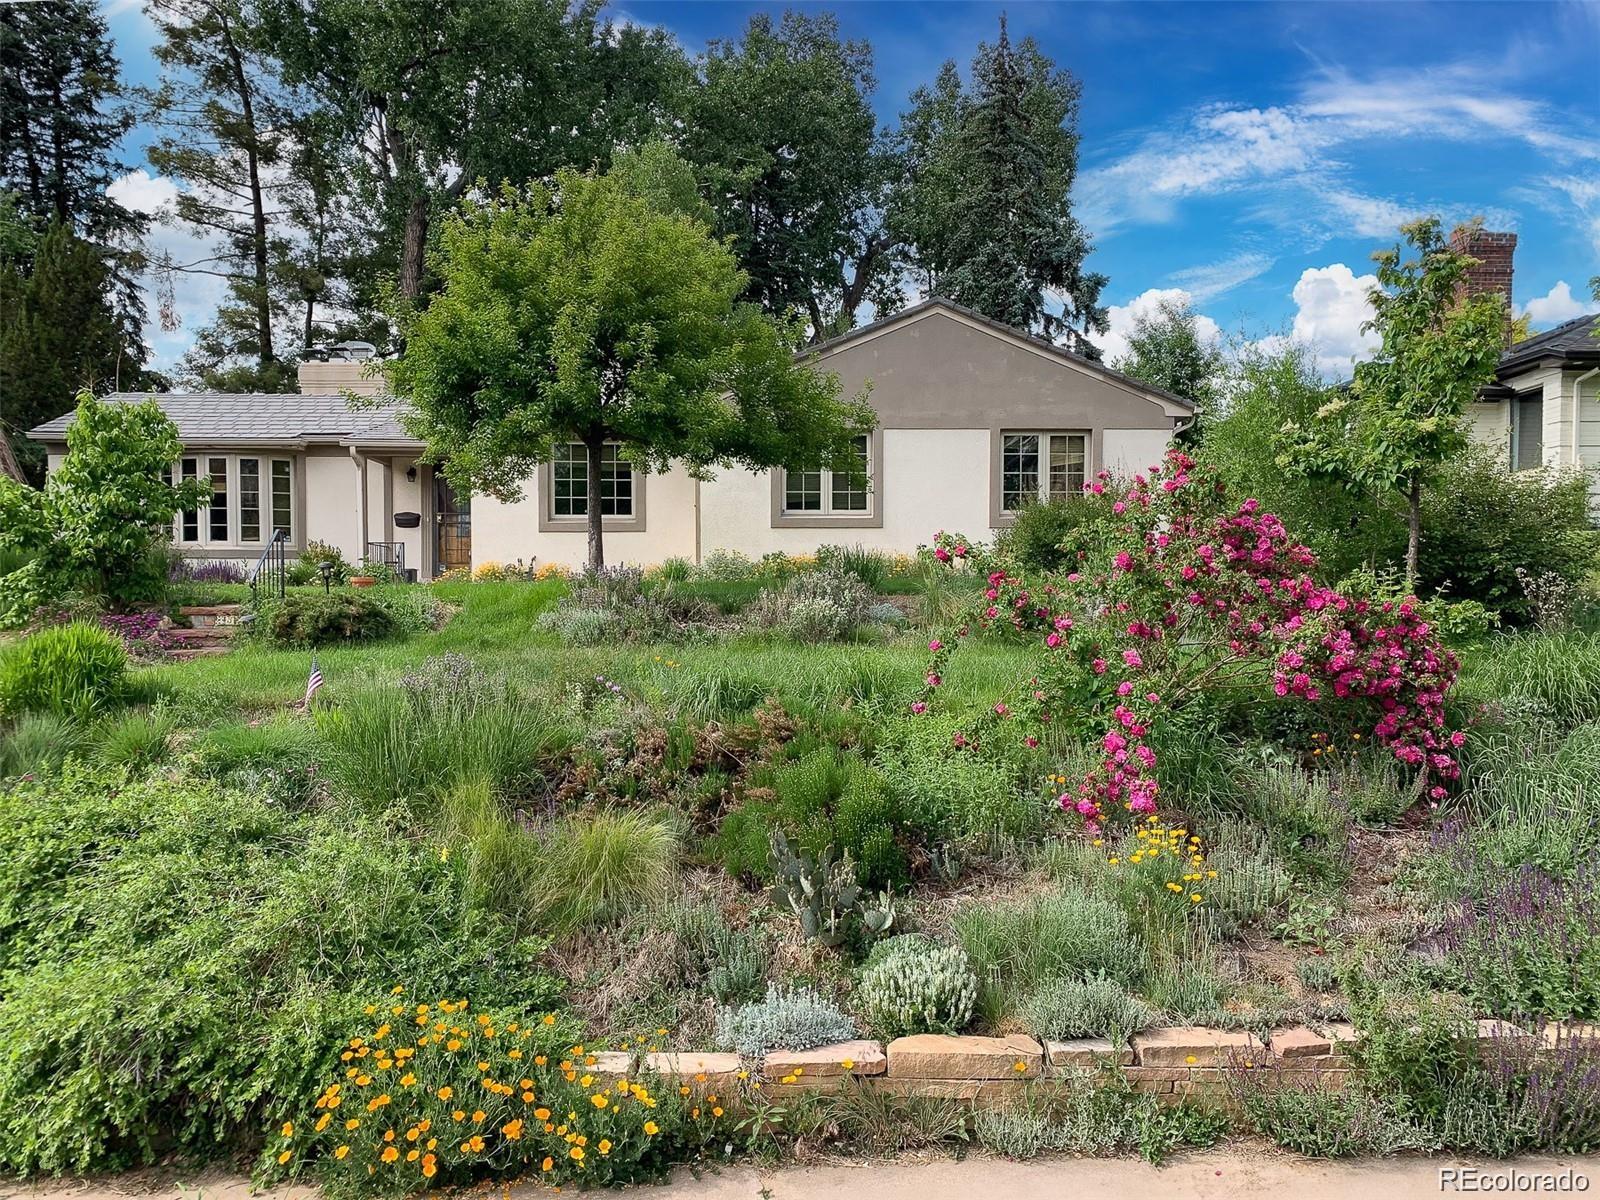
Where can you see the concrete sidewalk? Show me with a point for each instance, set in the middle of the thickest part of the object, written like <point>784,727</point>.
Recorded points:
<point>1234,1172</point>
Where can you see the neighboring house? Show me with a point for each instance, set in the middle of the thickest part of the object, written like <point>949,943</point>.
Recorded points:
<point>1543,409</point>
<point>974,420</point>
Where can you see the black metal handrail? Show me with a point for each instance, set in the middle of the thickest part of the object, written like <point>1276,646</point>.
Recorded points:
<point>274,561</point>
<point>390,554</point>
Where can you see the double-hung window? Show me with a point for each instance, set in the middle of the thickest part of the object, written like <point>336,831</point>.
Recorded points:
<point>1041,466</point>
<point>569,482</point>
<point>250,497</point>
<point>829,493</point>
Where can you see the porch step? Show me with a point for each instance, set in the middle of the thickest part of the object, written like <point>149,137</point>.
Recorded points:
<point>213,616</point>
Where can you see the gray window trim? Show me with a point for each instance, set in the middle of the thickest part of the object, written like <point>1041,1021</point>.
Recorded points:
<point>871,519</point>
<point>1093,455</point>
<point>550,523</point>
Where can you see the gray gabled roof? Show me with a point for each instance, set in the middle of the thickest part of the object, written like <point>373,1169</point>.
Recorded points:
<point>259,419</point>
<point>1570,342</point>
<point>1061,352</point>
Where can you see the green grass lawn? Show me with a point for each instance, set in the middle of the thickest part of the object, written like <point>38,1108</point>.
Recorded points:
<point>495,625</point>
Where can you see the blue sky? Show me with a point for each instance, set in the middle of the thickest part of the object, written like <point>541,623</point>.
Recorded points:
<point>1251,155</point>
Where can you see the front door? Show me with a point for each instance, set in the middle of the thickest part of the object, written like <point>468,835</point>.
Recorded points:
<point>452,528</point>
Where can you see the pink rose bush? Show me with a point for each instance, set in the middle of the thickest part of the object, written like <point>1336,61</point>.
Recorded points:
<point>1188,595</point>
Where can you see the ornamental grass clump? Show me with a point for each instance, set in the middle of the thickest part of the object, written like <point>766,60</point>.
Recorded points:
<point>913,985</point>
<point>435,1094</point>
<point>786,1019</point>
<point>75,670</point>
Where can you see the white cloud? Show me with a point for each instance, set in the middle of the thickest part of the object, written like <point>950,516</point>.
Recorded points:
<point>1123,317</point>
<point>1212,279</point>
<point>1288,153</point>
<point>1557,305</point>
<point>1330,307</point>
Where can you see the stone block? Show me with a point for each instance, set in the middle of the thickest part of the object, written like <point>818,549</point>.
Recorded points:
<point>1193,1046</point>
<point>701,1071</point>
<point>1298,1042</point>
<point>1086,1054</point>
<point>942,1056</point>
<point>842,1058</point>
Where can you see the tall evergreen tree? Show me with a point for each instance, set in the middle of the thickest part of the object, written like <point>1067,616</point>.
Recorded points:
<point>784,139</point>
<point>57,336</point>
<point>71,313</point>
<point>986,214</point>
<point>61,119</point>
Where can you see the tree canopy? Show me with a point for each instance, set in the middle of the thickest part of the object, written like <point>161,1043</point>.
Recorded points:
<point>1404,415</point>
<point>600,309</point>
<point>986,212</point>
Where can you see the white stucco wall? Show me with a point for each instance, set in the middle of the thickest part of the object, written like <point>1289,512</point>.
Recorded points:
<point>933,479</point>
<point>505,533</point>
<point>1127,451</point>
<point>330,503</point>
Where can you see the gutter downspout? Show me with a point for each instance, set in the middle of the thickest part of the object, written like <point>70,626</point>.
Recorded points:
<point>1577,414</point>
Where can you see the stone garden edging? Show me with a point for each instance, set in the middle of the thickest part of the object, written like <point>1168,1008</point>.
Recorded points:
<point>1172,1064</point>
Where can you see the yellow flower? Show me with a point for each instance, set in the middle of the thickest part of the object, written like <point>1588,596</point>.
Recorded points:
<point>1019,1066</point>
<point>407,1079</point>
<point>1191,1059</point>
<point>605,1146</point>
<point>284,1157</point>
<point>446,1092</point>
<point>598,1100</point>
<point>716,1112</point>
<point>288,1129</point>
<point>478,1116</point>
<point>576,1154</point>
<point>549,1018</point>
<point>390,1153</point>
<point>542,1114</point>
<point>353,1123</point>
<point>547,1163</point>
<point>341,1151</point>
<point>651,1129</point>
<point>848,1064</point>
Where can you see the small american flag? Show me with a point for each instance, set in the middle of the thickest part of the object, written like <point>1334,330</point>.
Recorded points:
<point>314,682</point>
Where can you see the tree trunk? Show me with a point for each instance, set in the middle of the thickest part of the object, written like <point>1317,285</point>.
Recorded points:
<point>1413,528</point>
<point>597,555</point>
<point>414,246</point>
<point>258,210</point>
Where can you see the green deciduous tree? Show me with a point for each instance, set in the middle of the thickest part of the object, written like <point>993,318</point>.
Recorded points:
<point>986,213</point>
<point>1166,348</point>
<point>1404,416</point>
<point>783,137</point>
<point>598,310</point>
<point>100,515</point>
<point>431,97</point>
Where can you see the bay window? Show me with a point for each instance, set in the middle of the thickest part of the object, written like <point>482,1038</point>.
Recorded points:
<point>233,514</point>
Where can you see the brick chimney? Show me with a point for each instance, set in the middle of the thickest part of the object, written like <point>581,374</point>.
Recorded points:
<point>1493,251</point>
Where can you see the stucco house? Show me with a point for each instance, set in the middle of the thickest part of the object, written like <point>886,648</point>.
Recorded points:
<point>975,419</point>
<point>1543,408</point>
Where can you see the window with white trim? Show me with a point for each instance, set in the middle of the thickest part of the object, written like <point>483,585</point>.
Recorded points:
<point>569,482</point>
<point>827,493</point>
<point>1041,466</point>
<point>240,499</point>
<point>1527,431</point>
